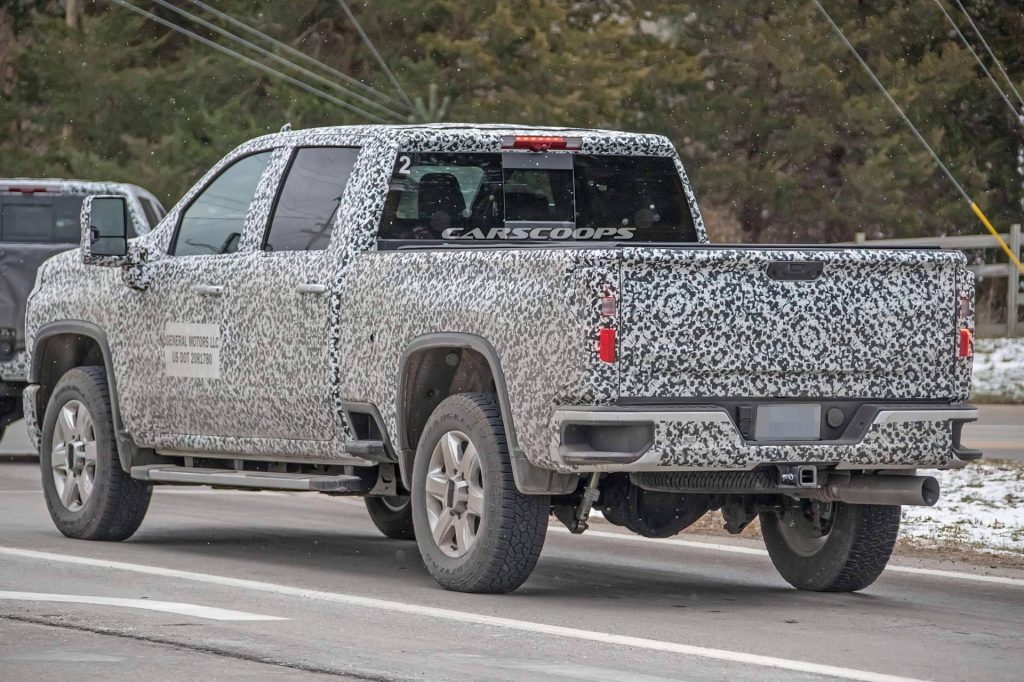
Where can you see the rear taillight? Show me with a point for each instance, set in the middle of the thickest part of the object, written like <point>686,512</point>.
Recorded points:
<point>540,143</point>
<point>606,345</point>
<point>606,336</point>
<point>966,343</point>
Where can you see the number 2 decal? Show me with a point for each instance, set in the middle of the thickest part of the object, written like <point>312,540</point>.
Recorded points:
<point>404,164</point>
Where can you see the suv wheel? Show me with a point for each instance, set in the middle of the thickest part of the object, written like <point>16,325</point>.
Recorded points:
<point>88,494</point>
<point>830,547</point>
<point>392,515</point>
<point>475,530</point>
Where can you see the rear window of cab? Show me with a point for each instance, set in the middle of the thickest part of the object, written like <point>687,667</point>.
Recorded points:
<point>530,196</point>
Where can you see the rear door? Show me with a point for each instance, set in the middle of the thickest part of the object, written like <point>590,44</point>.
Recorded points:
<point>278,307</point>
<point>776,323</point>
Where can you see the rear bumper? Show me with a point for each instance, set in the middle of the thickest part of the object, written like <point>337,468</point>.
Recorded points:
<point>15,369</point>
<point>697,437</point>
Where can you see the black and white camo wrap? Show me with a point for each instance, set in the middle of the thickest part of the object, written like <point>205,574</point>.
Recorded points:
<point>539,308</point>
<point>33,421</point>
<point>708,439</point>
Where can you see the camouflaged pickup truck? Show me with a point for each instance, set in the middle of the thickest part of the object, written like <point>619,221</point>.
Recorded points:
<point>478,327</point>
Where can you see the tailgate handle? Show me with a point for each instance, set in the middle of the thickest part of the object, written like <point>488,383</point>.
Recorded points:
<point>795,270</point>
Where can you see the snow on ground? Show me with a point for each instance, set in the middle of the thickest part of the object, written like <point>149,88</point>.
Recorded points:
<point>982,507</point>
<point>999,369</point>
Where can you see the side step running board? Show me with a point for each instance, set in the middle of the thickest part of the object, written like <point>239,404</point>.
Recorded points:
<point>166,473</point>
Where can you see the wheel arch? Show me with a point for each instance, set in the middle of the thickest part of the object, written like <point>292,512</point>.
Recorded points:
<point>435,366</point>
<point>62,346</point>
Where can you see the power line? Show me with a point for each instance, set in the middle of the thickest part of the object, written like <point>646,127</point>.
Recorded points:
<point>988,49</point>
<point>373,50</point>
<point>984,68</point>
<point>974,207</point>
<point>296,53</point>
<point>251,62</point>
<point>276,58</point>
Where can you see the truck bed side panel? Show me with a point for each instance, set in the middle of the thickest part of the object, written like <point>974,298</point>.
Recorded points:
<point>531,305</point>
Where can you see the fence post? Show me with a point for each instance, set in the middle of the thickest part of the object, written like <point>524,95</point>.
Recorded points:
<point>1013,284</point>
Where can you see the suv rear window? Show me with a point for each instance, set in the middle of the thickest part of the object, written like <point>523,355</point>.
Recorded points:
<point>523,196</point>
<point>40,218</point>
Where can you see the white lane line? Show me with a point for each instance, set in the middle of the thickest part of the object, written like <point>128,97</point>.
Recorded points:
<point>452,615</point>
<point>735,549</point>
<point>178,608</point>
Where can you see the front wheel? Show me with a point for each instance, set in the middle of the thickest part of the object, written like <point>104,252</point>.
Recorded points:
<point>475,530</point>
<point>830,547</point>
<point>88,494</point>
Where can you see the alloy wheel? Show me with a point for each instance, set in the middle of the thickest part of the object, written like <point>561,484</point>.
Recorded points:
<point>455,494</point>
<point>73,455</point>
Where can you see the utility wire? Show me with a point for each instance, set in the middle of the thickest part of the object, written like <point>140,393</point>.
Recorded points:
<point>373,50</point>
<point>959,188</point>
<point>988,49</point>
<point>276,58</point>
<point>296,53</point>
<point>251,62</point>
<point>984,68</point>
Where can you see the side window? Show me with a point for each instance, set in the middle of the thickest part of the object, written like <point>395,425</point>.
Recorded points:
<point>310,199</point>
<point>151,215</point>
<point>214,222</point>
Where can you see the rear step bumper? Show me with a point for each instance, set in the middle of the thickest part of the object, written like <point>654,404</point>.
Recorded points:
<point>698,437</point>
<point>264,480</point>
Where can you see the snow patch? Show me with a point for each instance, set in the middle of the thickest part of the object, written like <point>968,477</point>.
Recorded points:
<point>999,369</point>
<point>982,507</point>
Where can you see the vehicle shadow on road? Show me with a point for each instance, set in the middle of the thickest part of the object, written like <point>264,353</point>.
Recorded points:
<point>319,559</point>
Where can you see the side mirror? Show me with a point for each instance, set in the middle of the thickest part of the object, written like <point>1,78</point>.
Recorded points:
<point>105,231</point>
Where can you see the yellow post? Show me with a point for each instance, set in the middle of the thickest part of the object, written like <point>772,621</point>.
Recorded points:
<point>984,221</point>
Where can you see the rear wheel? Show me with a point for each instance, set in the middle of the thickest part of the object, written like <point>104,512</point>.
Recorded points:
<point>392,515</point>
<point>830,547</point>
<point>88,494</point>
<point>475,530</point>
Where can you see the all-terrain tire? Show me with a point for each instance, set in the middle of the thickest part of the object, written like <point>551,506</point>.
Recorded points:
<point>513,526</point>
<point>117,503</point>
<point>392,519</point>
<point>854,553</point>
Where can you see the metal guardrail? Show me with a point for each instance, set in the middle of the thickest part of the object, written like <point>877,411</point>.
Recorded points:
<point>1013,326</point>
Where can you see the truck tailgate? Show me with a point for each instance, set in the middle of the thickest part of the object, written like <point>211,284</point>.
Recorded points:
<point>724,322</point>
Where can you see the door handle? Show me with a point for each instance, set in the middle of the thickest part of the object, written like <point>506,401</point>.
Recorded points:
<point>208,290</point>
<point>309,288</point>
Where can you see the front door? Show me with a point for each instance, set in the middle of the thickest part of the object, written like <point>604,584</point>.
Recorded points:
<point>182,373</point>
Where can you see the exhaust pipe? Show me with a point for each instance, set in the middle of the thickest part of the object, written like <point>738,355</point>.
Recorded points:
<point>921,491</point>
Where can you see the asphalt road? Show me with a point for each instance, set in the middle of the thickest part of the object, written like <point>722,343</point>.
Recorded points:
<point>223,585</point>
<point>999,431</point>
